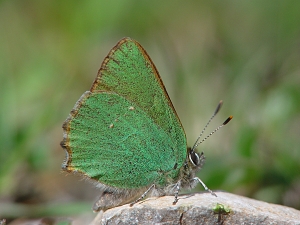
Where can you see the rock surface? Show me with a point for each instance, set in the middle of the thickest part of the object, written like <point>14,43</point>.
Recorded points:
<point>199,209</point>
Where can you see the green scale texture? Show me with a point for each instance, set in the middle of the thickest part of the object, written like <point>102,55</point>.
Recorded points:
<point>125,132</point>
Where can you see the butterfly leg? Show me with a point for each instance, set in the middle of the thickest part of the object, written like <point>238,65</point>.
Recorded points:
<point>177,188</point>
<point>205,187</point>
<point>143,195</point>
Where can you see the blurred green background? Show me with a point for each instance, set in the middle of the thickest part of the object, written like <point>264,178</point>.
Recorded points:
<point>244,52</point>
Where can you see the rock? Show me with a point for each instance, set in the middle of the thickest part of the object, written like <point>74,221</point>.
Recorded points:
<point>201,208</point>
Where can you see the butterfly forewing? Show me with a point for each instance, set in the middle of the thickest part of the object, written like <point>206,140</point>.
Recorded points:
<point>129,72</point>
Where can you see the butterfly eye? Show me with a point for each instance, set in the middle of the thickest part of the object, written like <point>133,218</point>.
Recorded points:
<point>194,158</point>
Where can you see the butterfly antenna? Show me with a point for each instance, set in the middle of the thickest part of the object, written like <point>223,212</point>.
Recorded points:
<point>215,113</point>
<point>219,127</point>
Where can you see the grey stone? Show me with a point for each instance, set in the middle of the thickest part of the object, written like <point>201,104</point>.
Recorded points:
<point>199,209</point>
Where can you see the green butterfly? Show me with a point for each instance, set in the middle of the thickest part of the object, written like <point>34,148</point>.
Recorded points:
<point>124,134</point>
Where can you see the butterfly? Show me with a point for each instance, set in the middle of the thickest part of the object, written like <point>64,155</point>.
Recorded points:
<point>125,136</point>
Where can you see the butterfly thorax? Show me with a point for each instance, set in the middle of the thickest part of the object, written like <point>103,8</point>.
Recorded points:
<point>187,173</point>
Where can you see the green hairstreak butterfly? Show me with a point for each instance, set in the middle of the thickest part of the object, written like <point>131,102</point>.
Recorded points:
<point>124,134</point>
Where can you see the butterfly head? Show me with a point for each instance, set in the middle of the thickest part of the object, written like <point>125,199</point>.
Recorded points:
<point>196,160</point>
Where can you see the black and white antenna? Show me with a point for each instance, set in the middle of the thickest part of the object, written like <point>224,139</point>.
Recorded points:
<point>219,127</point>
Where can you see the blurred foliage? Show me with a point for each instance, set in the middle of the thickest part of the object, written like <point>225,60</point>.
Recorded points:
<point>244,52</point>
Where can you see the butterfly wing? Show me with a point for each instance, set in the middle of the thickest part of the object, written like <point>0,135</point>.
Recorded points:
<point>129,72</point>
<point>124,132</point>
